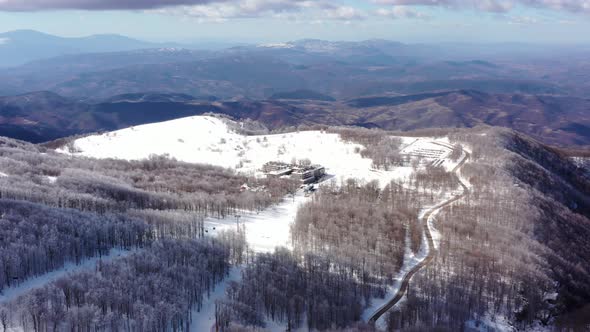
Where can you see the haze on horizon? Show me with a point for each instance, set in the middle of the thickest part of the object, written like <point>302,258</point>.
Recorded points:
<point>264,21</point>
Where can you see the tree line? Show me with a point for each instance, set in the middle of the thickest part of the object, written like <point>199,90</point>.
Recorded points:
<point>153,290</point>
<point>36,239</point>
<point>297,291</point>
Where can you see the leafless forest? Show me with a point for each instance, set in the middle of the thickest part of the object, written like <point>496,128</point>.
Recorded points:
<point>57,210</point>
<point>505,253</point>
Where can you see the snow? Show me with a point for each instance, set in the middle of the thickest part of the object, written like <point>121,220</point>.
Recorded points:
<point>267,229</point>
<point>411,259</point>
<point>277,45</point>
<point>2,174</point>
<point>9,294</point>
<point>51,179</point>
<point>204,320</point>
<point>209,140</point>
<point>489,323</point>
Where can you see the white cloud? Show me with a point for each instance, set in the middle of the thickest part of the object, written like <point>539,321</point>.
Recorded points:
<point>219,11</point>
<point>523,20</point>
<point>396,12</point>
<point>497,6</point>
<point>345,13</point>
<point>334,10</point>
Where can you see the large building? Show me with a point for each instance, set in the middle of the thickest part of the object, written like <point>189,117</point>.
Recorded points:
<point>305,174</point>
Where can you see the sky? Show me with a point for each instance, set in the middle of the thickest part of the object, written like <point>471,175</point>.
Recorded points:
<point>270,21</point>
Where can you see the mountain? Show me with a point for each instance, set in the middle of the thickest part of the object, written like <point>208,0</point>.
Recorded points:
<point>225,77</point>
<point>302,95</point>
<point>559,121</point>
<point>342,70</point>
<point>256,76</point>
<point>555,120</point>
<point>43,116</point>
<point>514,233</point>
<point>22,46</point>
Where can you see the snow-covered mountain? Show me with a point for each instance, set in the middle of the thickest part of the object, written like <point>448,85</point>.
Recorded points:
<point>212,140</point>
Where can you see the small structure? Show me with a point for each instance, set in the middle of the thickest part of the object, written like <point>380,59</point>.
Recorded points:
<point>277,169</point>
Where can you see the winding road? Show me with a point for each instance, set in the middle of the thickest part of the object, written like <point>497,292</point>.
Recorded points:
<point>431,249</point>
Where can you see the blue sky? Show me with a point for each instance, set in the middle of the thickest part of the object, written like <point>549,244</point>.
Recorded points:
<point>535,21</point>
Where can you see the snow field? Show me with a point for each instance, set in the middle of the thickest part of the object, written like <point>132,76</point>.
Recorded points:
<point>209,140</point>
<point>267,229</point>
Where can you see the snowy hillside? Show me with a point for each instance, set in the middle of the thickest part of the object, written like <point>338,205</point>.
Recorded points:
<point>209,140</point>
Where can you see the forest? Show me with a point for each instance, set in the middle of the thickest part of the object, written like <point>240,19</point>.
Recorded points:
<point>295,292</point>
<point>56,210</point>
<point>503,261</point>
<point>504,254</point>
<point>506,250</point>
<point>155,290</point>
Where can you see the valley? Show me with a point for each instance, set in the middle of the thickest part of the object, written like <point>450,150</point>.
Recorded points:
<point>294,185</point>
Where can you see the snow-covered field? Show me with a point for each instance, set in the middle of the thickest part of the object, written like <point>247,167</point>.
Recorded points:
<point>209,140</point>
<point>264,230</point>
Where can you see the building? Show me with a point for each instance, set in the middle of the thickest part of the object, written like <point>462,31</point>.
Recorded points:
<point>277,169</point>
<point>305,174</point>
<point>309,174</point>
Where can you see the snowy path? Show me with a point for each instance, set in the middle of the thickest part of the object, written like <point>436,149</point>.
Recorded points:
<point>204,320</point>
<point>267,229</point>
<point>427,220</point>
<point>12,293</point>
<point>410,260</point>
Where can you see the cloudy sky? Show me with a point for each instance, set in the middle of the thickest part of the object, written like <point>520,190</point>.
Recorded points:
<point>537,21</point>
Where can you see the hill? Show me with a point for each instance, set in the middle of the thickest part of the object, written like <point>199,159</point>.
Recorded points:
<point>44,116</point>
<point>302,95</point>
<point>555,120</point>
<point>506,246</point>
<point>560,121</point>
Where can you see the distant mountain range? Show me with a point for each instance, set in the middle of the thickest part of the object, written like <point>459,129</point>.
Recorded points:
<point>562,121</point>
<point>98,67</point>
<point>259,75</point>
<point>108,82</point>
<point>22,46</point>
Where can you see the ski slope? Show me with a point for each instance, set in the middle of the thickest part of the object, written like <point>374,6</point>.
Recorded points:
<point>265,230</point>
<point>209,140</point>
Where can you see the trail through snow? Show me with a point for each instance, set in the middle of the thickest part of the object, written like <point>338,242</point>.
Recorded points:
<point>9,294</point>
<point>408,270</point>
<point>204,320</point>
<point>267,229</point>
